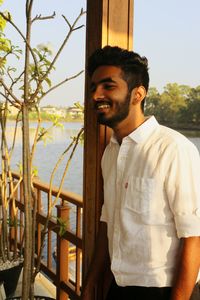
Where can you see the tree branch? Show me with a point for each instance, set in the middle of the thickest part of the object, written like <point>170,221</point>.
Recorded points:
<point>72,27</point>
<point>9,91</point>
<point>40,18</point>
<point>17,79</point>
<point>29,4</point>
<point>9,100</point>
<point>8,19</point>
<point>61,83</point>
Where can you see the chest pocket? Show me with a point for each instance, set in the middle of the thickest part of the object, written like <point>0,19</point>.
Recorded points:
<point>139,194</point>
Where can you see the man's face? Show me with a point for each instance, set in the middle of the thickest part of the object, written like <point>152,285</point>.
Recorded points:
<point>110,95</point>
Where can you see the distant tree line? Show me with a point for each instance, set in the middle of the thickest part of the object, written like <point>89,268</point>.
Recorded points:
<point>50,116</point>
<point>177,106</point>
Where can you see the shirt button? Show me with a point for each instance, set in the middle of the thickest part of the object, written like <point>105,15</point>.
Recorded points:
<point>197,212</point>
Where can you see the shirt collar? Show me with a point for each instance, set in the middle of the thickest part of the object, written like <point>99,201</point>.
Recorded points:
<point>141,133</point>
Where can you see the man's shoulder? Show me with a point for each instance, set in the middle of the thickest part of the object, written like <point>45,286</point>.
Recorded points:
<point>175,138</point>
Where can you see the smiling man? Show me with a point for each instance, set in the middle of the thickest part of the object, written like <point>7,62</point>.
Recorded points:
<point>150,222</point>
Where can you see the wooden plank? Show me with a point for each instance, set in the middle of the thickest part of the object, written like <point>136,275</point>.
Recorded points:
<point>108,22</point>
<point>118,23</point>
<point>91,143</point>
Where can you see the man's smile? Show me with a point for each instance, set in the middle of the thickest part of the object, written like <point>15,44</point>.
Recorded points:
<point>101,105</point>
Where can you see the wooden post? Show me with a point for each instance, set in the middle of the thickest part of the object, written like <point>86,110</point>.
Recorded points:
<point>109,22</point>
<point>62,254</point>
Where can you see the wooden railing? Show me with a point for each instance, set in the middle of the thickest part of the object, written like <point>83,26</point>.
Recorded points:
<point>62,254</point>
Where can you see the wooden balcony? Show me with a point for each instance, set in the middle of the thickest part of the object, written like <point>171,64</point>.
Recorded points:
<point>62,254</point>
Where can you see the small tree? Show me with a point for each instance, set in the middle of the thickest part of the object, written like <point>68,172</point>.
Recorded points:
<point>34,82</point>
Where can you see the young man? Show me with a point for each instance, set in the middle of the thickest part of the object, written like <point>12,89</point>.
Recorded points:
<point>150,221</point>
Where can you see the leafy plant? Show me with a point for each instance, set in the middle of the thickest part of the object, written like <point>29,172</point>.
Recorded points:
<point>35,83</point>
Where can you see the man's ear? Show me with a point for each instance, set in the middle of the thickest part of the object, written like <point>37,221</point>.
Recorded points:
<point>138,94</point>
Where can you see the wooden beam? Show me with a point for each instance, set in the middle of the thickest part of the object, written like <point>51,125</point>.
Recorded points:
<point>109,22</point>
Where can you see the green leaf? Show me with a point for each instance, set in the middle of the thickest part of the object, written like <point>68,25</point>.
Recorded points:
<point>48,81</point>
<point>2,23</point>
<point>35,171</point>
<point>62,226</point>
<point>5,44</point>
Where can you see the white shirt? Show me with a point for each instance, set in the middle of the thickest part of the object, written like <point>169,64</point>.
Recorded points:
<point>151,200</point>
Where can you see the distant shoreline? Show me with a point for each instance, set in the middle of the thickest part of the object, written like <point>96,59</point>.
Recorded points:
<point>182,126</point>
<point>185,127</point>
<point>72,120</point>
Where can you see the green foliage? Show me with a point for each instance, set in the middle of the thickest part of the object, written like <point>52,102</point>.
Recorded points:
<point>38,73</point>
<point>14,222</point>
<point>34,171</point>
<point>56,122</point>
<point>5,45</point>
<point>62,226</point>
<point>178,105</point>
<point>80,106</point>
<point>2,24</point>
<point>44,136</point>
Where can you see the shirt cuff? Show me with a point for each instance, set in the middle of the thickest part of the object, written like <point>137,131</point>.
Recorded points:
<point>188,225</point>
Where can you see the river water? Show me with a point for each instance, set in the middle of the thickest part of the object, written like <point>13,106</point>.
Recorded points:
<point>47,155</point>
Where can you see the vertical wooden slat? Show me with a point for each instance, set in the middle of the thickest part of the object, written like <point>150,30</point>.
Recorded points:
<point>39,227</point>
<point>108,22</point>
<point>78,251</point>
<point>62,254</point>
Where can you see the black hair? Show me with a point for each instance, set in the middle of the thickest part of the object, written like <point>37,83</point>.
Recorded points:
<point>134,67</point>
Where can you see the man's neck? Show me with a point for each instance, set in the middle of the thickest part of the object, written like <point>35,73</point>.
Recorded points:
<point>127,126</point>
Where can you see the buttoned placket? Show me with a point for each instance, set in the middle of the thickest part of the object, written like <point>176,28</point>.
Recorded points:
<point>121,163</point>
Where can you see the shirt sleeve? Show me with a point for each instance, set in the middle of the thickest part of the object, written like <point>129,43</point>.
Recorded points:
<point>104,168</point>
<point>183,189</point>
<point>103,217</point>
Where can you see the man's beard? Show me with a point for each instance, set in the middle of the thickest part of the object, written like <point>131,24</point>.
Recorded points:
<point>121,112</point>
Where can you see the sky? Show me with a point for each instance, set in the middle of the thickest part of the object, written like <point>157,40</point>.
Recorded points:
<point>166,32</point>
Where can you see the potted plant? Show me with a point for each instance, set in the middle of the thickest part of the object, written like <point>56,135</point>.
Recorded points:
<point>35,83</point>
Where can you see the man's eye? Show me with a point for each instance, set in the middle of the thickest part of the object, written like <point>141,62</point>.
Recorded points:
<point>108,86</point>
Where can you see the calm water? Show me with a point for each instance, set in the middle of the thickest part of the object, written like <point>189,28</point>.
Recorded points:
<point>47,155</point>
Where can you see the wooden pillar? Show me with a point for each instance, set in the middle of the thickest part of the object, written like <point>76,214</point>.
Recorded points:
<point>109,22</point>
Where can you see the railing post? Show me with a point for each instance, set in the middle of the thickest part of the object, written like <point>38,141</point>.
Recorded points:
<point>62,266</point>
<point>39,227</point>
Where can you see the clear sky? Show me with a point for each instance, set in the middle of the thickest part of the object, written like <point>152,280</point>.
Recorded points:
<point>166,32</point>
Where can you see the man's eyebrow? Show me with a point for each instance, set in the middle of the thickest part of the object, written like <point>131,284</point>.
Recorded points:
<point>106,79</point>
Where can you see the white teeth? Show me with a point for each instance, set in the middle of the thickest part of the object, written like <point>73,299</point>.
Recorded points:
<point>101,106</point>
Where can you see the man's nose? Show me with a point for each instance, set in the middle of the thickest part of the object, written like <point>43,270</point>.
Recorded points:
<point>98,94</point>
